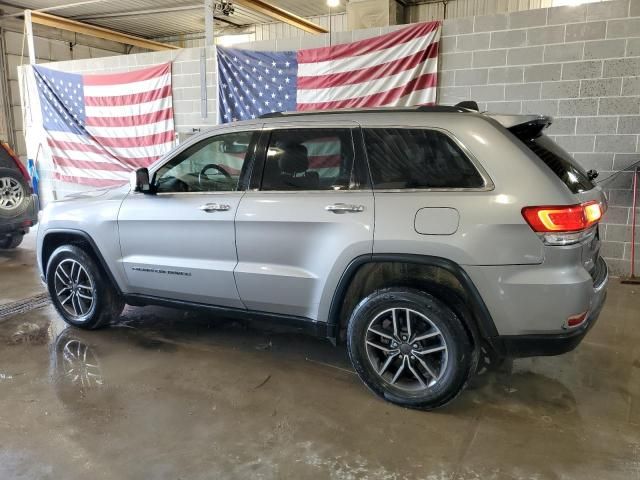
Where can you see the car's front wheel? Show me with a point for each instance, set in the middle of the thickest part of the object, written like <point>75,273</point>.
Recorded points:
<point>79,289</point>
<point>410,348</point>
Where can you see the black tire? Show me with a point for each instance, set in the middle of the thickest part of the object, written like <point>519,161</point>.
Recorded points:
<point>455,366</point>
<point>105,306</point>
<point>20,208</point>
<point>11,242</point>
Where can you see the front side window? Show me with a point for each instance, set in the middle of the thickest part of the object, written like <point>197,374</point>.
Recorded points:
<point>402,158</point>
<point>211,165</point>
<point>309,159</point>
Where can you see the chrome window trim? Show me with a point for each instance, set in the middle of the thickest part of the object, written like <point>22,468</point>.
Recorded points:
<point>486,179</point>
<point>288,192</point>
<point>225,192</point>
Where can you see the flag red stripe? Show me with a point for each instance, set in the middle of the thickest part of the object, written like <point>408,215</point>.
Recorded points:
<point>369,45</point>
<point>131,99</point>
<point>143,141</point>
<point>90,165</point>
<point>91,182</point>
<point>127,77</point>
<point>377,99</point>
<point>81,147</point>
<point>370,73</point>
<point>324,161</point>
<point>130,121</point>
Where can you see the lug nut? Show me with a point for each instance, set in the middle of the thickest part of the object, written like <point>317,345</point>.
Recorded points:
<point>415,345</point>
<point>404,337</point>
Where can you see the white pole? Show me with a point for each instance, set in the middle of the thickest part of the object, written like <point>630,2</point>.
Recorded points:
<point>208,22</point>
<point>29,32</point>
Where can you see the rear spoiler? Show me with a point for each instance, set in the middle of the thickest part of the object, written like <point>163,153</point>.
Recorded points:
<point>523,126</point>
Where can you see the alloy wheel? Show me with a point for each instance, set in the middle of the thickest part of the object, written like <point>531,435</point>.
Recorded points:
<point>74,288</point>
<point>11,193</point>
<point>406,349</point>
<point>80,365</point>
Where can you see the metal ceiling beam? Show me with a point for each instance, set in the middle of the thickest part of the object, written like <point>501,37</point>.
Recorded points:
<point>150,11</point>
<point>99,32</point>
<point>134,13</point>
<point>281,15</point>
<point>48,9</point>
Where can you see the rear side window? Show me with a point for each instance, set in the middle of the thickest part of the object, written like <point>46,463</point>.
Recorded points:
<point>5,159</point>
<point>560,162</point>
<point>310,159</point>
<point>418,158</point>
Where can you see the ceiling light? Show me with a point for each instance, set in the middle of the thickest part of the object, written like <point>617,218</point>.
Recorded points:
<point>333,3</point>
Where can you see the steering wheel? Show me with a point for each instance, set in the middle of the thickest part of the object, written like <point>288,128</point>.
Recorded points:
<point>215,167</point>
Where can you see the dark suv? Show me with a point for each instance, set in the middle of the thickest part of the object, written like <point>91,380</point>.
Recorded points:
<point>18,203</point>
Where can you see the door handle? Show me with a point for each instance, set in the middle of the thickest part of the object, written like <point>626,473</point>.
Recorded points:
<point>215,207</point>
<point>344,208</point>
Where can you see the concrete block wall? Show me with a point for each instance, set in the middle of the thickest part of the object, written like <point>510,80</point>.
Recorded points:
<point>579,64</point>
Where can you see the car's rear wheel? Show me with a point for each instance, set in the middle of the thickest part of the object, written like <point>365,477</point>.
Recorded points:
<point>14,199</point>
<point>81,292</point>
<point>410,348</point>
<point>11,242</point>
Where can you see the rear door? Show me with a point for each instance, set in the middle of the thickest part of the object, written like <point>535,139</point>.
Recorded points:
<point>309,213</point>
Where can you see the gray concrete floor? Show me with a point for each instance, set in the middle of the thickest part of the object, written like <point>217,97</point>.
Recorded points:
<point>165,394</point>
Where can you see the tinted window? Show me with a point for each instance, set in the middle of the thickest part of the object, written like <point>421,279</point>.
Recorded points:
<point>418,158</point>
<point>309,159</point>
<point>5,159</point>
<point>211,165</point>
<point>560,162</point>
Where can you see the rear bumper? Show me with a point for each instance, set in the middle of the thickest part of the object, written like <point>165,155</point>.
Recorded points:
<point>518,346</point>
<point>23,222</point>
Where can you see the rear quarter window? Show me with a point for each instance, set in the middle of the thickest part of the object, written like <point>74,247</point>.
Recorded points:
<point>559,162</point>
<point>402,158</point>
<point>5,159</point>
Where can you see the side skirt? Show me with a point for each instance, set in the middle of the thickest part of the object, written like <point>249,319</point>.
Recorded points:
<point>301,324</point>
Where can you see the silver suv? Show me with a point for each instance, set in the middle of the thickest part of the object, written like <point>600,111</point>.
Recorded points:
<point>427,238</point>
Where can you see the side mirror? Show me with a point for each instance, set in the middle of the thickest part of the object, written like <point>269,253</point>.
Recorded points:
<point>139,181</point>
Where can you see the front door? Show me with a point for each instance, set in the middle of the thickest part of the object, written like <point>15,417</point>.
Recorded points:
<point>309,215</point>
<point>180,242</point>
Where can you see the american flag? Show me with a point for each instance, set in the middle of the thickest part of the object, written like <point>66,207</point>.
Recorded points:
<point>101,127</point>
<point>395,69</point>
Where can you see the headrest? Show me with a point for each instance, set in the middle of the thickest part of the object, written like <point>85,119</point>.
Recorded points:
<point>294,159</point>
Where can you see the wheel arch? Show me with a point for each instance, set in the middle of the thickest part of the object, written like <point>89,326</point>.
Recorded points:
<point>438,276</point>
<point>53,239</point>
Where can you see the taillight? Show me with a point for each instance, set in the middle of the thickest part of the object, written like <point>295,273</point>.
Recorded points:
<point>21,167</point>
<point>564,224</point>
<point>576,320</point>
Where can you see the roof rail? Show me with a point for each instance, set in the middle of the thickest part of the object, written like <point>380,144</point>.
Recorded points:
<point>460,108</point>
<point>272,115</point>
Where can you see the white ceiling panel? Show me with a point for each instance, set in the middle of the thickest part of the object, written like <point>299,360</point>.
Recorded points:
<point>155,18</point>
